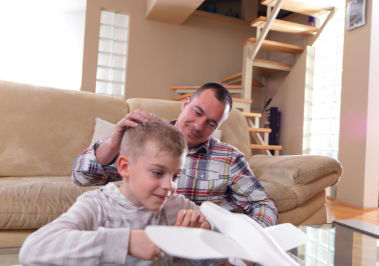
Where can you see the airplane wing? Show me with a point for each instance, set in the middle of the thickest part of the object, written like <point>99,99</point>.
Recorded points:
<point>240,237</point>
<point>194,243</point>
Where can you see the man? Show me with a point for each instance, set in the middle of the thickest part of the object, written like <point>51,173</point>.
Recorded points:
<point>213,170</point>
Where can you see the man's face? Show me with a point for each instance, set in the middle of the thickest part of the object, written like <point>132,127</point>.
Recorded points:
<point>201,117</point>
<point>151,178</point>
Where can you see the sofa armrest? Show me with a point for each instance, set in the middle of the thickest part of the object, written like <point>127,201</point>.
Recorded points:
<point>293,169</point>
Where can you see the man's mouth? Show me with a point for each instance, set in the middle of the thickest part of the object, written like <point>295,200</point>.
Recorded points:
<point>193,134</point>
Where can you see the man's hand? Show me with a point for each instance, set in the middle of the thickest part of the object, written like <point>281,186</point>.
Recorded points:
<point>109,149</point>
<point>191,218</point>
<point>141,247</point>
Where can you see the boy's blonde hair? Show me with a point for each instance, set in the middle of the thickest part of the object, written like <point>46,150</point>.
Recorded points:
<point>157,131</point>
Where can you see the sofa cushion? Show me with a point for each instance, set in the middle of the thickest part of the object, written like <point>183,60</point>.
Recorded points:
<point>284,197</point>
<point>288,197</point>
<point>30,202</point>
<point>103,130</point>
<point>44,129</point>
<point>294,169</point>
<point>303,213</point>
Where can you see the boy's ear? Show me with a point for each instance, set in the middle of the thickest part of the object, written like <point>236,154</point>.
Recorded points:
<point>123,165</point>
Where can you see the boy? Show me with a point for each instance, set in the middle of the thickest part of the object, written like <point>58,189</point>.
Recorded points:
<point>105,226</point>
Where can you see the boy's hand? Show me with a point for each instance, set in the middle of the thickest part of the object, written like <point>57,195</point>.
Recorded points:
<point>141,247</point>
<point>191,218</point>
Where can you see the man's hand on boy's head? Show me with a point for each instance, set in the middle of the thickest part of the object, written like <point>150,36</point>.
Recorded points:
<point>109,149</point>
<point>141,247</point>
<point>132,119</point>
<point>191,218</point>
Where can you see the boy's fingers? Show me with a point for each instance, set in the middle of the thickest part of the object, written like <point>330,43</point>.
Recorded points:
<point>180,217</point>
<point>187,218</point>
<point>158,254</point>
<point>195,218</point>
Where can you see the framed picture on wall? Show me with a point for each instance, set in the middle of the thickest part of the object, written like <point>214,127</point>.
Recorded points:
<point>355,14</point>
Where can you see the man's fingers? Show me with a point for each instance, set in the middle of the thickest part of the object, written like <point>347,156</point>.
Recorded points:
<point>139,115</point>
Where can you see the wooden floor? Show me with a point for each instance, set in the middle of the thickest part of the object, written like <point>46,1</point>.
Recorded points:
<point>340,211</point>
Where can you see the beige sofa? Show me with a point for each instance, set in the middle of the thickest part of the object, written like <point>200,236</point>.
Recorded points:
<point>44,129</point>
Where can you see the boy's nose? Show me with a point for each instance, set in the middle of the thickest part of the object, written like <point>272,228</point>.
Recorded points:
<point>167,183</point>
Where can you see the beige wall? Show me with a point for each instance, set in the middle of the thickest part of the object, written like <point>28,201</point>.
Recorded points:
<point>359,129</point>
<point>162,55</point>
<point>289,98</point>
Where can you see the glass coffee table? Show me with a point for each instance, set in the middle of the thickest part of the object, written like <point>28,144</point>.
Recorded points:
<point>334,244</point>
<point>328,244</point>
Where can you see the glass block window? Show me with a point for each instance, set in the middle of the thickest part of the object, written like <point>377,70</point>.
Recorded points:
<point>323,96</point>
<point>112,55</point>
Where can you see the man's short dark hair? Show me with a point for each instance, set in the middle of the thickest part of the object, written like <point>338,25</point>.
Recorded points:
<point>221,93</point>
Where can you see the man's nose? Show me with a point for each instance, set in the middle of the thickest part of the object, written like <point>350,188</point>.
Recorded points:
<point>200,123</point>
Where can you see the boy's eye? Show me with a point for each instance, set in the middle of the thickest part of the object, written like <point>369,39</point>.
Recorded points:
<point>157,173</point>
<point>174,177</point>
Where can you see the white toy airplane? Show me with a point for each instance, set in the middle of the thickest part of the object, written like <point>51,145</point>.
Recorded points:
<point>240,238</point>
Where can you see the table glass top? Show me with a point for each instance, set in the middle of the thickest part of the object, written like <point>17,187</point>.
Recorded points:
<point>331,244</point>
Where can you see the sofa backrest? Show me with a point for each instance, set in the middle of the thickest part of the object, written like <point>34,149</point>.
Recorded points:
<point>234,129</point>
<point>43,129</point>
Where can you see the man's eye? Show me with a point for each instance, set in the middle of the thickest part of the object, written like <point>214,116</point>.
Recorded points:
<point>212,125</point>
<point>197,113</point>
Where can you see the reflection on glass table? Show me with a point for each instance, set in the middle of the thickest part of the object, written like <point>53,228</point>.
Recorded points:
<point>331,244</point>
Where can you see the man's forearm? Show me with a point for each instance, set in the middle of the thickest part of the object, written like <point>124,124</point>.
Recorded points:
<point>87,171</point>
<point>106,152</point>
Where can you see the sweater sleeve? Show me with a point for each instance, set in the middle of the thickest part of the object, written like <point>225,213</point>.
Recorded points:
<point>75,238</point>
<point>174,204</point>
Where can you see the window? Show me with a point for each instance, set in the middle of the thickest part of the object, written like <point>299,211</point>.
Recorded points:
<point>323,94</point>
<point>112,55</point>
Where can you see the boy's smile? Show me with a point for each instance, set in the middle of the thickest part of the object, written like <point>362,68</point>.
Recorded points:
<point>149,179</point>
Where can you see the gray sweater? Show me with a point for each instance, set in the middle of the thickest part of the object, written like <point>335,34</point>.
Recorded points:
<point>95,230</point>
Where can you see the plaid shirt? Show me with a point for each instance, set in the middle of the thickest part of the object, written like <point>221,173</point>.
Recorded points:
<point>214,171</point>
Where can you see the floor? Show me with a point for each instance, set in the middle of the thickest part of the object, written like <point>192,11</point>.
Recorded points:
<point>339,211</point>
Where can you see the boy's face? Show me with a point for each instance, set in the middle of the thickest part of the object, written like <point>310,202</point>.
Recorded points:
<point>150,178</point>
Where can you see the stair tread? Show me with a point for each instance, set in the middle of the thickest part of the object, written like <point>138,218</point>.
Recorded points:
<point>260,129</point>
<point>266,147</point>
<point>277,46</point>
<point>241,100</point>
<point>256,83</point>
<point>271,65</point>
<point>301,8</point>
<point>182,97</point>
<point>247,114</point>
<point>285,26</point>
<point>229,87</point>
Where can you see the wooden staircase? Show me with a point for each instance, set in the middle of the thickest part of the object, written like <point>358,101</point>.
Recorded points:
<point>243,83</point>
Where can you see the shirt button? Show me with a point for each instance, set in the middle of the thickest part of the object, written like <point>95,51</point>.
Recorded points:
<point>201,175</point>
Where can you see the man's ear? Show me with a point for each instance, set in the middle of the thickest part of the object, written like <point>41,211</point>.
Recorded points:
<point>185,102</point>
<point>123,165</point>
